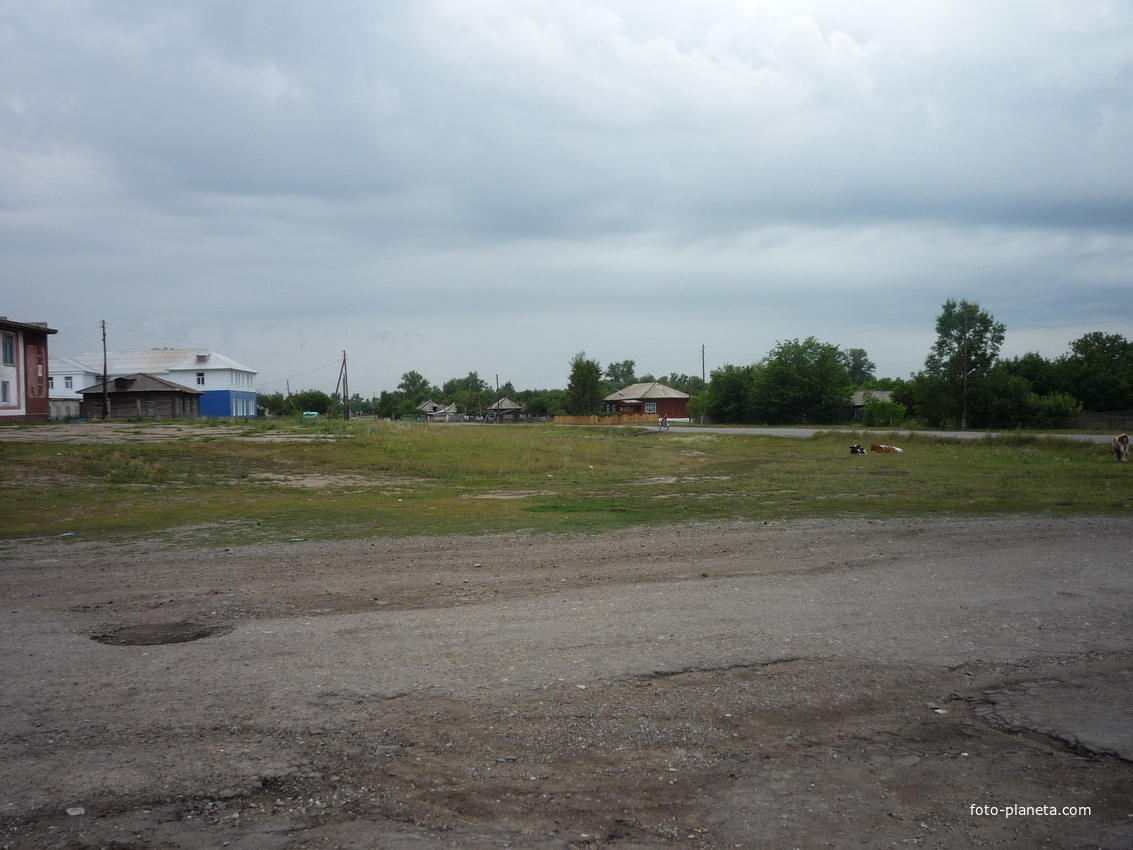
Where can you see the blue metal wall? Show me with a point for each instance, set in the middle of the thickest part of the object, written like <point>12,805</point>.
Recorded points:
<point>223,403</point>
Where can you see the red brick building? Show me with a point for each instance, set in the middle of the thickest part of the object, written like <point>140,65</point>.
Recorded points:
<point>24,395</point>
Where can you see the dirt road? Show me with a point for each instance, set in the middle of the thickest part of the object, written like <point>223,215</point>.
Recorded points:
<point>782,685</point>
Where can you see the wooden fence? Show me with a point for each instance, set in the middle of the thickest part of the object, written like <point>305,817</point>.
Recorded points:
<point>646,420</point>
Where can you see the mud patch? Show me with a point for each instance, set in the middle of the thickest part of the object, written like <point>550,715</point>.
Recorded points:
<point>154,634</point>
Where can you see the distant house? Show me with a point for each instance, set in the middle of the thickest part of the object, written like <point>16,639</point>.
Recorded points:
<point>859,398</point>
<point>141,396</point>
<point>436,412</point>
<point>649,399</point>
<point>504,410</point>
<point>24,371</point>
<point>227,388</point>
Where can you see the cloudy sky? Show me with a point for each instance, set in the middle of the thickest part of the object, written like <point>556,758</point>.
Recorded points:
<point>450,186</point>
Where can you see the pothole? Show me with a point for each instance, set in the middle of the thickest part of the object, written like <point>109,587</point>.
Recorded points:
<point>151,634</point>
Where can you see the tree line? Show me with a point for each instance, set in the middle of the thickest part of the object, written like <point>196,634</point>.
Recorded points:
<point>964,383</point>
<point>472,395</point>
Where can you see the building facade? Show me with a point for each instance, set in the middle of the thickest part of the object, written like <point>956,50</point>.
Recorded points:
<point>653,399</point>
<point>24,374</point>
<point>140,397</point>
<point>227,389</point>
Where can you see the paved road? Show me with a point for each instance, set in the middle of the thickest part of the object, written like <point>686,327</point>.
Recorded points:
<point>803,433</point>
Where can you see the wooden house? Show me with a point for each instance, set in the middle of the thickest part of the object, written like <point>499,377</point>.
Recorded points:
<point>649,399</point>
<point>141,396</point>
<point>504,410</point>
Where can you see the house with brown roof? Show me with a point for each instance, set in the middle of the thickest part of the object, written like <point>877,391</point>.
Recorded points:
<point>504,410</point>
<point>648,399</point>
<point>140,396</point>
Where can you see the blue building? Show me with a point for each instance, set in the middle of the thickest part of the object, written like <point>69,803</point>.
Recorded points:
<point>228,388</point>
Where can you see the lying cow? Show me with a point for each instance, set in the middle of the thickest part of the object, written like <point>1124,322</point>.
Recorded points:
<point>857,450</point>
<point>1121,448</point>
<point>885,449</point>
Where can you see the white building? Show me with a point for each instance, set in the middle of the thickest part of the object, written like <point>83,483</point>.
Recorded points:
<point>229,388</point>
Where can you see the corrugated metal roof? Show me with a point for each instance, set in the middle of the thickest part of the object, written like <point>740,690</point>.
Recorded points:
<point>858,398</point>
<point>644,392</point>
<point>140,383</point>
<point>158,360</point>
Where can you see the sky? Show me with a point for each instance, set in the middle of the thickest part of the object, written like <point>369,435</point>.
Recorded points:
<point>493,186</point>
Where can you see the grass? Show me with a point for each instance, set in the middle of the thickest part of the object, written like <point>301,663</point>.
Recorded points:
<point>362,479</point>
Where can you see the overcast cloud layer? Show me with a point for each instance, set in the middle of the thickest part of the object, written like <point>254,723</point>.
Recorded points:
<point>495,185</point>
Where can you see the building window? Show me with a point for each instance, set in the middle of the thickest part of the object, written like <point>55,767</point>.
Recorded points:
<point>68,382</point>
<point>9,349</point>
<point>650,407</point>
<point>200,379</point>
<point>51,382</point>
<point>5,392</point>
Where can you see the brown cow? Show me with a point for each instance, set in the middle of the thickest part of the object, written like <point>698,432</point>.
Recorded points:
<point>1121,448</point>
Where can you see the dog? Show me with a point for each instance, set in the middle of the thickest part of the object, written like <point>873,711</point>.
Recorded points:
<point>1121,448</point>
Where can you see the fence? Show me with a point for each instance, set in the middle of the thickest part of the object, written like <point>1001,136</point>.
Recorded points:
<point>1118,420</point>
<point>649,420</point>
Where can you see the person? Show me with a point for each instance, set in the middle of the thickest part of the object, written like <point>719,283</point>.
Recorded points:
<point>664,424</point>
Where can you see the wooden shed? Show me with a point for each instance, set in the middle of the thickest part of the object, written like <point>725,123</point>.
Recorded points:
<point>141,396</point>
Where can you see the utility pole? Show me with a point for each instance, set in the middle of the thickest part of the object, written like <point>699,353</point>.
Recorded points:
<point>703,388</point>
<point>964,378</point>
<point>105,377</point>
<point>344,383</point>
<point>345,389</point>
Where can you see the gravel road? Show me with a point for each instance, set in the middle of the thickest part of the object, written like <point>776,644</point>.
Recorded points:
<point>848,684</point>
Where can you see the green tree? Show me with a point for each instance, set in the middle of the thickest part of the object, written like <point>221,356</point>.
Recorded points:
<point>584,389</point>
<point>858,364</point>
<point>416,388</point>
<point>802,382</point>
<point>275,404</point>
<point>879,413</point>
<point>473,383</point>
<point>966,348</point>
<point>1098,371</point>
<point>621,373</point>
<point>729,391</point>
<point>312,400</point>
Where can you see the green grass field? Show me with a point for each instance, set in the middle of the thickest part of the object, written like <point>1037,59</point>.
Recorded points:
<point>364,479</point>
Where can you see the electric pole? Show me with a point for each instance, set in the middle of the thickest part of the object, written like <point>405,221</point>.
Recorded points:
<point>105,377</point>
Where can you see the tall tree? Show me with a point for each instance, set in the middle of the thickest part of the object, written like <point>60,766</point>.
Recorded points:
<point>1098,371</point>
<point>802,382</point>
<point>966,348</point>
<point>729,389</point>
<point>416,388</point>
<point>621,373</point>
<point>584,390</point>
<point>858,364</point>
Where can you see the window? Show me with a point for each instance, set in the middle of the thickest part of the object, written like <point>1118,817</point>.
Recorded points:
<point>9,349</point>
<point>68,382</point>
<point>5,392</point>
<point>51,382</point>
<point>650,407</point>
<point>200,379</point>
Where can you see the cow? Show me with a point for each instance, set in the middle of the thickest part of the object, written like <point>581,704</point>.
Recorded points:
<point>1121,448</point>
<point>857,450</point>
<point>885,449</point>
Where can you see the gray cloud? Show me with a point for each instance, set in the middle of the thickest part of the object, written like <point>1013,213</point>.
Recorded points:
<point>633,179</point>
